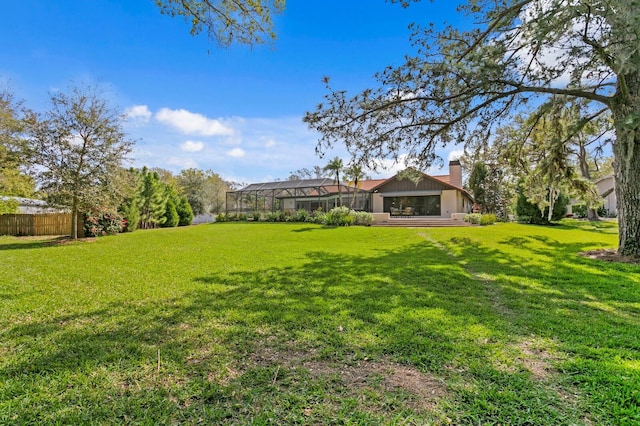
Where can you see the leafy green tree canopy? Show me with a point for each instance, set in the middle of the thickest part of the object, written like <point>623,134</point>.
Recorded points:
<point>205,190</point>
<point>13,181</point>
<point>78,149</point>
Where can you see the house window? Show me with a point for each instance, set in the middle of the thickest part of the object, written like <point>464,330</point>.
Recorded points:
<point>428,205</point>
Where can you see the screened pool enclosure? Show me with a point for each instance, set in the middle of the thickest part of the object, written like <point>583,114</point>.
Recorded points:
<point>307,194</point>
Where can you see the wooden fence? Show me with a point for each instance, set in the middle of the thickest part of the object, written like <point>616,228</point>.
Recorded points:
<point>38,224</point>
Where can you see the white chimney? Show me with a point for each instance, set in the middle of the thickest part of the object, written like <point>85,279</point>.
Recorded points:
<point>455,173</point>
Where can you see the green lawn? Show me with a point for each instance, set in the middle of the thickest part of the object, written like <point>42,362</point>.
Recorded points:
<point>301,324</point>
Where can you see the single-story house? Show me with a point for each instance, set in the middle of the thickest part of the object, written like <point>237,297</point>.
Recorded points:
<point>29,205</point>
<point>433,196</point>
<point>607,190</point>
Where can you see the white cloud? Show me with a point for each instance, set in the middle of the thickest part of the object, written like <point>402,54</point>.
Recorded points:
<point>138,113</point>
<point>455,154</point>
<point>269,142</point>
<point>388,167</point>
<point>192,146</point>
<point>192,123</point>
<point>183,163</point>
<point>260,149</point>
<point>236,153</point>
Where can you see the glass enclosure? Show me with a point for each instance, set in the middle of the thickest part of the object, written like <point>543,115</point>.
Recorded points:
<point>427,205</point>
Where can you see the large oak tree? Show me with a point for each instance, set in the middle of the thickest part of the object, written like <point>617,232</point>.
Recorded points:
<point>520,55</point>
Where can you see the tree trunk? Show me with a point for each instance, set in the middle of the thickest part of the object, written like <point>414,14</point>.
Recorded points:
<point>626,151</point>
<point>74,219</point>
<point>592,214</point>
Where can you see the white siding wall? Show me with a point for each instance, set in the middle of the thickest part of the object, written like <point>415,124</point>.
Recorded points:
<point>378,203</point>
<point>450,203</point>
<point>603,186</point>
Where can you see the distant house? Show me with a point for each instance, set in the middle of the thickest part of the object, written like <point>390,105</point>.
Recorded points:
<point>607,190</point>
<point>433,196</point>
<point>30,206</point>
<point>606,187</point>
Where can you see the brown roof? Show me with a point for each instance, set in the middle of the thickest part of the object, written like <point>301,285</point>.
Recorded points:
<point>443,178</point>
<point>368,185</point>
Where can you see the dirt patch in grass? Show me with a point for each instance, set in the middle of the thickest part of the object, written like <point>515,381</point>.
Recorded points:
<point>385,375</point>
<point>536,360</point>
<point>610,255</point>
<point>427,388</point>
<point>423,390</point>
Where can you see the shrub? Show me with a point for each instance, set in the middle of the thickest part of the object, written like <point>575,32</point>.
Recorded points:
<point>526,209</point>
<point>275,217</point>
<point>473,218</point>
<point>579,210</point>
<point>100,221</point>
<point>488,219</point>
<point>338,216</point>
<point>171,217</point>
<point>221,217</point>
<point>362,218</point>
<point>301,215</point>
<point>523,219</point>
<point>257,216</point>
<point>320,217</point>
<point>185,212</point>
<point>131,216</point>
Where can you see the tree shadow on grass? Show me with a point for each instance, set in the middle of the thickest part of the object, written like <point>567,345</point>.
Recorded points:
<point>313,228</point>
<point>34,242</point>
<point>223,346</point>
<point>589,309</point>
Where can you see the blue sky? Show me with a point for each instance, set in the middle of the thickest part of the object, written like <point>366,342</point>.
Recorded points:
<point>237,110</point>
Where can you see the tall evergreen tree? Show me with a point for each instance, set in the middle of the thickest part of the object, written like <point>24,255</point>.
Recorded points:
<point>153,200</point>
<point>185,213</point>
<point>478,183</point>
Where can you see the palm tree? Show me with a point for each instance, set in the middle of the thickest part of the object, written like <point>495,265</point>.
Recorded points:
<point>335,166</point>
<point>354,175</point>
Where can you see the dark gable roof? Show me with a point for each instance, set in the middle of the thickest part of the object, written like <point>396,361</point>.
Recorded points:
<point>434,182</point>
